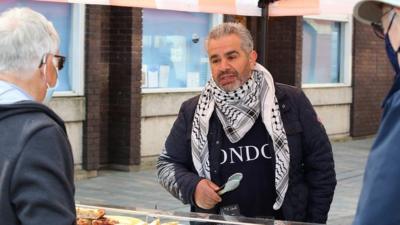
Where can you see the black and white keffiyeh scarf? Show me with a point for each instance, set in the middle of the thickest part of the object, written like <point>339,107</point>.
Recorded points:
<point>238,110</point>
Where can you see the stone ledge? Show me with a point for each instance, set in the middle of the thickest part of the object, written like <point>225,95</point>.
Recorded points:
<point>69,108</point>
<point>81,174</point>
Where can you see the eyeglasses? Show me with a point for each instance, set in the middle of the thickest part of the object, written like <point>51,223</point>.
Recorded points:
<point>377,27</point>
<point>58,61</point>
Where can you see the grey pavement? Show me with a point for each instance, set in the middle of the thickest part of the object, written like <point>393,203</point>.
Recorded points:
<point>141,190</point>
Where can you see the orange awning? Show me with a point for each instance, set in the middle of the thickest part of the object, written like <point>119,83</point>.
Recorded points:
<point>233,7</point>
<point>338,6</point>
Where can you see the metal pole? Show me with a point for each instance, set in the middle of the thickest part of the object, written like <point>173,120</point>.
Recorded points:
<point>264,31</point>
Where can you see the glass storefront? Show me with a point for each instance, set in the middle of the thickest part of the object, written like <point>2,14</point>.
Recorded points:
<point>322,59</point>
<point>173,49</point>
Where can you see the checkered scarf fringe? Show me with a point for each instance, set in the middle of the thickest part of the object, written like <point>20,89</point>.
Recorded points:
<point>238,111</point>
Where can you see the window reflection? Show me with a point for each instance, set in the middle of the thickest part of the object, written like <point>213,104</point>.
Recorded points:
<point>60,15</point>
<point>322,44</point>
<point>173,49</point>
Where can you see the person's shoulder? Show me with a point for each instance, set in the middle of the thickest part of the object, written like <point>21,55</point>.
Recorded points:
<point>396,99</point>
<point>25,122</point>
<point>191,103</point>
<point>291,96</point>
<point>285,90</point>
<point>33,115</point>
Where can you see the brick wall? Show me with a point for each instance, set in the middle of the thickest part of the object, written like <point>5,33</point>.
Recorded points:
<point>96,86</point>
<point>112,86</point>
<point>125,75</point>
<point>372,78</point>
<point>136,83</point>
<point>283,47</point>
<point>372,72</point>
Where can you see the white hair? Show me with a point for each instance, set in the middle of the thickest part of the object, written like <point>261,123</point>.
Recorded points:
<point>230,28</point>
<point>26,37</point>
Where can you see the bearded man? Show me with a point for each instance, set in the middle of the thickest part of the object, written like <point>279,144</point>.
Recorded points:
<point>243,122</point>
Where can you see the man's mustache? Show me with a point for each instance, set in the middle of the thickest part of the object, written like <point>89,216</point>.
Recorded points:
<point>229,72</point>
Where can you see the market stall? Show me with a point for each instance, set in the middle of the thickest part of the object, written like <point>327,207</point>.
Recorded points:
<point>142,216</point>
<point>114,215</point>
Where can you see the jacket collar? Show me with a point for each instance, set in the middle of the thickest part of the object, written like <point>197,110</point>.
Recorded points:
<point>281,96</point>
<point>279,93</point>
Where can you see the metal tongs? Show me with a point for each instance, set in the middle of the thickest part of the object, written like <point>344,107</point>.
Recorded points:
<point>231,184</point>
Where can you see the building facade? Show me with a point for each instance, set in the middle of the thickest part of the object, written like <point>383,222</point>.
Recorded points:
<point>129,69</point>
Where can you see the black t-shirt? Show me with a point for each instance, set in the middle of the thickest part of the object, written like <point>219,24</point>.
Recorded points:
<point>253,156</point>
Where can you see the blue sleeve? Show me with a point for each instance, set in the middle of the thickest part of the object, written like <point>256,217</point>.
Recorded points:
<point>379,202</point>
<point>42,187</point>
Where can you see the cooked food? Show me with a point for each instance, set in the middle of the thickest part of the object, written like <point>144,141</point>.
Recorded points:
<point>80,221</point>
<point>89,216</point>
<point>86,213</point>
<point>124,220</point>
<point>105,221</point>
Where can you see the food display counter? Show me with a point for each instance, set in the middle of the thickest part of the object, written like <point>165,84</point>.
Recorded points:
<point>114,215</point>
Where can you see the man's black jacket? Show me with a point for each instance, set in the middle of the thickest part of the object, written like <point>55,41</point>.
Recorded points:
<point>312,178</point>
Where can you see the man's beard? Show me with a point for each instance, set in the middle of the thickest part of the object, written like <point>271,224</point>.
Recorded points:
<point>232,85</point>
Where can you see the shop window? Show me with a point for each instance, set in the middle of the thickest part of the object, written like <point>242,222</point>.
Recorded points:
<point>65,18</point>
<point>324,58</point>
<point>173,55</point>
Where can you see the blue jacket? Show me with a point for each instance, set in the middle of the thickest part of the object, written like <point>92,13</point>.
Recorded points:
<point>312,177</point>
<point>379,202</point>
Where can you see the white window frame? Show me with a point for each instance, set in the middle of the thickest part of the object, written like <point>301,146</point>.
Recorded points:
<point>215,20</point>
<point>345,51</point>
<point>76,53</point>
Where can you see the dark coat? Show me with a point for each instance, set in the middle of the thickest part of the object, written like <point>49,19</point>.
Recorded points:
<point>312,178</point>
<point>36,167</point>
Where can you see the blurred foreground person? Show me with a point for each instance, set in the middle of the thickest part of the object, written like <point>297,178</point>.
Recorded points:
<point>379,200</point>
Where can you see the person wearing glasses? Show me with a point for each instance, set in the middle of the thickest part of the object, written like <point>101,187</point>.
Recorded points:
<point>379,202</point>
<point>36,162</point>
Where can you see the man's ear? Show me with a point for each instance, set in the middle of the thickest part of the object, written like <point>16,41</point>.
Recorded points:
<point>43,67</point>
<point>42,71</point>
<point>253,58</point>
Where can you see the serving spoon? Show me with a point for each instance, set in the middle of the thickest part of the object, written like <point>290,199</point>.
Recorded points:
<point>231,184</point>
